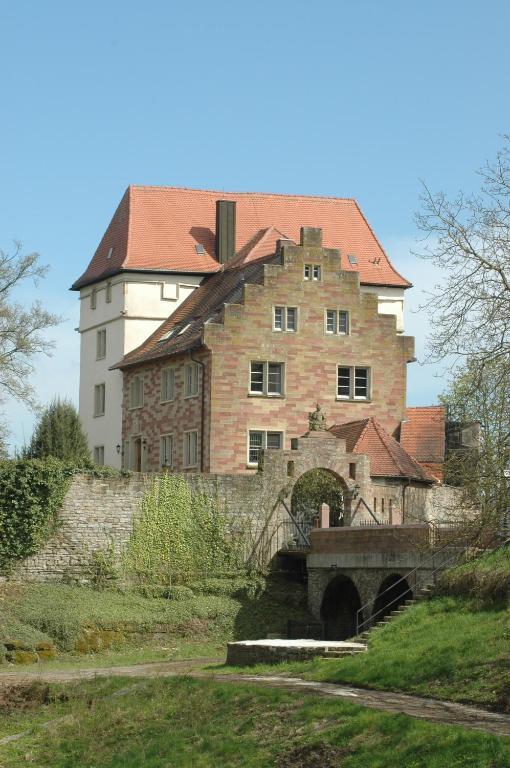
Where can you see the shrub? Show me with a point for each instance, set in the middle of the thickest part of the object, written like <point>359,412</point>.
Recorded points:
<point>31,494</point>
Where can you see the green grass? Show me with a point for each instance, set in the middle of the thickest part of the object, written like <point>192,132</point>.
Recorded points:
<point>486,578</point>
<point>219,611</point>
<point>187,723</point>
<point>447,648</point>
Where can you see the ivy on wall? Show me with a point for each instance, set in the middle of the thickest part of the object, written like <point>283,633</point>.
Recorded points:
<point>181,535</point>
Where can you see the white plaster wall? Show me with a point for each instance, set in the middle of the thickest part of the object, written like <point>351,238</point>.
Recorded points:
<point>391,302</point>
<point>139,303</point>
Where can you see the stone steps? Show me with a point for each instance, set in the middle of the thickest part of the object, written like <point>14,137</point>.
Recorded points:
<point>424,593</point>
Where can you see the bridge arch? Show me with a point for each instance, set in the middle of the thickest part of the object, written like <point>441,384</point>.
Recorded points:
<point>393,591</point>
<point>340,604</point>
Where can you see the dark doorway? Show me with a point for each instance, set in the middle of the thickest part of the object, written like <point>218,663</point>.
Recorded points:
<point>340,605</point>
<point>393,591</point>
<point>137,455</point>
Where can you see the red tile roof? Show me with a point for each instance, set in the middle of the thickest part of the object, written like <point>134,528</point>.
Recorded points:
<point>157,229</point>
<point>204,303</point>
<point>387,457</point>
<point>422,434</point>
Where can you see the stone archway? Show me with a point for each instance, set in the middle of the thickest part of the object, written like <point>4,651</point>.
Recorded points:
<point>394,591</point>
<point>340,604</point>
<point>315,487</point>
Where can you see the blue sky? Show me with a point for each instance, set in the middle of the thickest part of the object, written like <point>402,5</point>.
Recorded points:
<point>357,99</point>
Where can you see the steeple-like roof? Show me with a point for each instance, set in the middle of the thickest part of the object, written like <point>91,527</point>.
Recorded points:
<point>158,229</point>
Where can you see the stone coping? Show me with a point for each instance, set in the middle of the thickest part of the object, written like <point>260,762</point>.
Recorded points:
<point>320,645</point>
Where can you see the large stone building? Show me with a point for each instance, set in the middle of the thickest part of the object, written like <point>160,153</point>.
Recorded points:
<point>210,328</point>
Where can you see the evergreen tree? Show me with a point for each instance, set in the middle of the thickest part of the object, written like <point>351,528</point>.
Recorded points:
<point>59,433</point>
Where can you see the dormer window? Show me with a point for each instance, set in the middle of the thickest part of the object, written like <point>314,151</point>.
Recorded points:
<point>312,272</point>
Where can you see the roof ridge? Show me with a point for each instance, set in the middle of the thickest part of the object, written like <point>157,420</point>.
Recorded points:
<point>251,193</point>
<point>400,448</point>
<point>362,433</point>
<point>382,434</point>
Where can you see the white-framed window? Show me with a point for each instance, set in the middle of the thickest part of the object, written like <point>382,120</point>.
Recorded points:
<point>285,319</point>
<point>101,344</point>
<point>266,378</point>
<point>312,272</point>
<point>191,380</point>
<point>353,383</point>
<point>99,454</point>
<point>167,384</point>
<point>136,392</point>
<point>166,450</point>
<point>259,440</point>
<point>337,321</point>
<point>93,298</point>
<point>191,448</point>
<point>108,292</point>
<point>99,399</point>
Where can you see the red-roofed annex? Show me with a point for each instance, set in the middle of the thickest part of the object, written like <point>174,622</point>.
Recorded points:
<point>211,323</point>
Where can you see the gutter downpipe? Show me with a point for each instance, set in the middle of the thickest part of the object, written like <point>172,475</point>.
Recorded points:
<point>202,412</point>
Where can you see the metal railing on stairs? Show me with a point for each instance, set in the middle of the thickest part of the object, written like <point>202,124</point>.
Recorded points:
<point>456,555</point>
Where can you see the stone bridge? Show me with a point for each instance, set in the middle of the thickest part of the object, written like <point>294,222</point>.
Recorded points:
<point>373,568</point>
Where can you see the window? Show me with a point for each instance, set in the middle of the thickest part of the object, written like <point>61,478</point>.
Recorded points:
<point>353,383</point>
<point>312,272</point>
<point>93,298</point>
<point>166,450</point>
<point>108,292</point>
<point>136,392</point>
<point>99,399</point>
<point>191,380</point>
<point>337,321</point>
<point>259,440</point>
<point>266,379</point>
<point>285,319</point>
<point>190,449</point>
<point>99,454</point>
<point>101,344</point>
<point>167,384</point>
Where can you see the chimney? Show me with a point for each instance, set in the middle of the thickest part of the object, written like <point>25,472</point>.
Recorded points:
<point>225,230</point>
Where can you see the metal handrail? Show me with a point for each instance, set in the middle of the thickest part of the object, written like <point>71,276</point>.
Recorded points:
<point>420,565</point>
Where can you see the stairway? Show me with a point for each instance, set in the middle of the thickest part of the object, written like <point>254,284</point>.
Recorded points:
<point>423,594</point>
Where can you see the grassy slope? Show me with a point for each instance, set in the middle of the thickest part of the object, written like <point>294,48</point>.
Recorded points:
<point>182,723</point>
<point>62,612</point>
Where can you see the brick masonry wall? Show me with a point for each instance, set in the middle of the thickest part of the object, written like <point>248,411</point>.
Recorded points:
<point>310,357</point>
<point>156,418</point>
<point>381,539</point>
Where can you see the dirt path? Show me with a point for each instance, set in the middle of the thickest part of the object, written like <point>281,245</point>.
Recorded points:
<point>433,710</point>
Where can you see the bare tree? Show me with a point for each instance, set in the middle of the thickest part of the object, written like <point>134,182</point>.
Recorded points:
<point>480,392</point>
<point>468,238</point>
<point>21,327</point>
